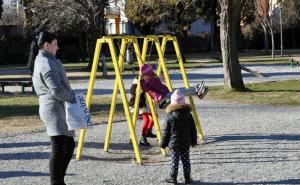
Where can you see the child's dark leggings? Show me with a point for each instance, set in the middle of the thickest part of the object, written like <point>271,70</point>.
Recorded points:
<point>184,155</point>
<point>61,154</point>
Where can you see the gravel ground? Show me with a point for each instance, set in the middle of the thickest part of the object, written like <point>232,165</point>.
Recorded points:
<point>246,144</point>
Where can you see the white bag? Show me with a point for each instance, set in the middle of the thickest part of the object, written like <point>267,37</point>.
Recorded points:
<point>77,114</point>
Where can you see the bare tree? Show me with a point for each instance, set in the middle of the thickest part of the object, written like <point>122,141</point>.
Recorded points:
<point>1,9</point>
<point>83,17</point>
<point>146,14</point>
<point>229,29</point>
<point>12,16</point>
<point>262,12</point>
<point>291,17</point>
<point>179,14</point>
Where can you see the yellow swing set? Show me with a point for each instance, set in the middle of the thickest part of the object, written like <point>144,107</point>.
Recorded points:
<point>118,63</point>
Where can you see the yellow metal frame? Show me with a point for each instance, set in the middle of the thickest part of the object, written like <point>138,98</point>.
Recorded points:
<point>118,85</point>
<point>173,39</point>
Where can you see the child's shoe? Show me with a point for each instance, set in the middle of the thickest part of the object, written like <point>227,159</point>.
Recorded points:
<point>144,142</point>
<point>201,90</point>
<point>151,135</point>
<point>203,93</point>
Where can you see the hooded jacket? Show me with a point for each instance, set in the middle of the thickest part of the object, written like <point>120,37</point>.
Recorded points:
<point>155,88</point>
<point>179,131</point>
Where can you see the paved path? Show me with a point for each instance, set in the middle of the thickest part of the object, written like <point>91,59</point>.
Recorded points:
<point>212,75</point>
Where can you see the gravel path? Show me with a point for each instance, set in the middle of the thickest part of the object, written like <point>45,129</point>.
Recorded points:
<point>247,144</point>
<point>212,75</point>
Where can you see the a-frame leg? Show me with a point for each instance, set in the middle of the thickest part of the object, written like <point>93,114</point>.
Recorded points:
<point>125,102</point>
<point>111,117</point>
<point>186,83</point>
<point>89,95</point>
<point>149,100</point>
<point>114,99</point>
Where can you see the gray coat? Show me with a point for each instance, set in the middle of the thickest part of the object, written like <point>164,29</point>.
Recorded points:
<point>52,86</point>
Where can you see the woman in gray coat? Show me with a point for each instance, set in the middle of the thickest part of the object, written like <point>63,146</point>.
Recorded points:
<point>53,88</point>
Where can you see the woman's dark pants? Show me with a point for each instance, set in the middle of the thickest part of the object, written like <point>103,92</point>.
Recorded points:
<point>61,154</point>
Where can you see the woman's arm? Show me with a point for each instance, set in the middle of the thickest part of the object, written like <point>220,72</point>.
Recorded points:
<point>53,82</point>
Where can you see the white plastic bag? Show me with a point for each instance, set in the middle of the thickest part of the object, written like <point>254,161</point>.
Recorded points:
<point>77,114</point>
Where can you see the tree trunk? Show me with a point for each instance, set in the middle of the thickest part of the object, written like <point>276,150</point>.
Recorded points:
<point>272,40</point>
<point>266,37</point>
<point>180,37</point>
<point>229,26</point>
<point>81,46</point>
<point>91,44</point>
<point>1,9</point>
<point>212,34</point>
<point>294,38</point>
<point>272,35</point>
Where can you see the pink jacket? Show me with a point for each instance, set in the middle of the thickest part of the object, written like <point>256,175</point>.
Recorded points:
<point>155,88</point>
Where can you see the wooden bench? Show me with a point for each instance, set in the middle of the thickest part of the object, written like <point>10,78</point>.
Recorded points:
<point>23,84</point>
<point>294,62</point>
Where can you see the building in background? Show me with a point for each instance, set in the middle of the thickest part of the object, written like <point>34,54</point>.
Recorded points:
<point>15,4</point>
<point>117,22</point>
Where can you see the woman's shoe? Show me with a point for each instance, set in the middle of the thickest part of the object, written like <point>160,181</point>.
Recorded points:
<point>171,180</point>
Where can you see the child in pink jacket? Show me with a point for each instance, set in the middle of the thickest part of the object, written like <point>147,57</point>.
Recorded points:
<point>144,112</point>
<point>159,92</point>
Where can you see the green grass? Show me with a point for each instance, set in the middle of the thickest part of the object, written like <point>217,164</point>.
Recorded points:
<point>19,112</point>
<point>18,105</point>
<point>274,93</point>
<point>22,105</point>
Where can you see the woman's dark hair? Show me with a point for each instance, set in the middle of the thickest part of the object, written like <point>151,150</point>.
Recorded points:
<point>36,44</point>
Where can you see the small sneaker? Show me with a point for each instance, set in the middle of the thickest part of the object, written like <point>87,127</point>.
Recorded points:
<point>144,142</point>
<point>171,180</point>
<point>199,87</point>
<point>201,90</point>
<point>203,93</point>
<point>151,135</point>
